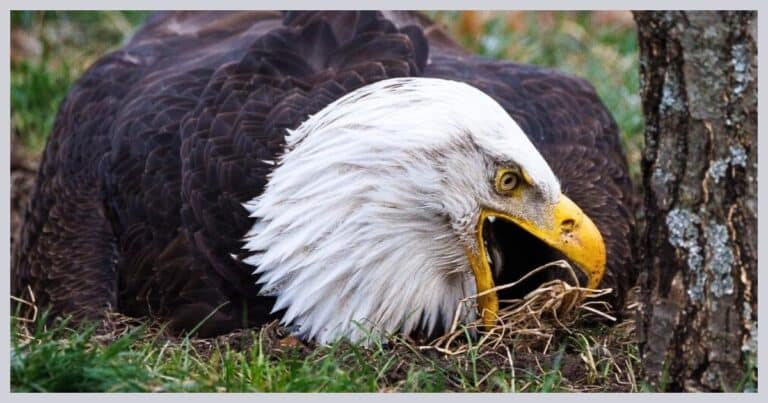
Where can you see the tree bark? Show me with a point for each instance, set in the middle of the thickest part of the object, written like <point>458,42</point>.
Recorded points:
<point>698,321</point>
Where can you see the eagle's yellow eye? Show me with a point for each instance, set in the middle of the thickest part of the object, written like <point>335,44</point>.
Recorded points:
<point>507,180</point>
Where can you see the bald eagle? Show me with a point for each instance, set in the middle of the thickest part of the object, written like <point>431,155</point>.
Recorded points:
<point>328,169</point>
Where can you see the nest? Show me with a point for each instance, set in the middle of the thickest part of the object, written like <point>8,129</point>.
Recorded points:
<point>530,321</point>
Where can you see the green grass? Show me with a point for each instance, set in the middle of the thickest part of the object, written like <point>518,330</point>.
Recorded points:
<point>139,357</point>
<point>62,359</point>
<point>36,91</point>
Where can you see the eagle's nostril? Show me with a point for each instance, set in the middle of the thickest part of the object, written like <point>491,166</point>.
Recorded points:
<point>568,225</point>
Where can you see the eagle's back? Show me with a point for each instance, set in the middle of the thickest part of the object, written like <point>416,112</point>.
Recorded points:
<point>138,200</point>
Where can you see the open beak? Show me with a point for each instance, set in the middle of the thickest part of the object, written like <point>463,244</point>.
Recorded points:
<point>568,230</point>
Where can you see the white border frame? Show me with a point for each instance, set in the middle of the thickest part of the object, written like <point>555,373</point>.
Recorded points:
<point>378,4</point>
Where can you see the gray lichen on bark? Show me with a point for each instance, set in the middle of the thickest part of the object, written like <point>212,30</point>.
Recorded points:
<point>683,227</point>
<point>720,259</point>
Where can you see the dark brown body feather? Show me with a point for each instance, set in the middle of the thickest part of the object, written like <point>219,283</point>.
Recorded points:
<point>138,199</point>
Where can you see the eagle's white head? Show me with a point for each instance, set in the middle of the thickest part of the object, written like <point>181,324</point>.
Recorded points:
<point>374,216</point>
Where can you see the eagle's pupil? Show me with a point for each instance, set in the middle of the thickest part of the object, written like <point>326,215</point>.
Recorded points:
<point>509,181</point>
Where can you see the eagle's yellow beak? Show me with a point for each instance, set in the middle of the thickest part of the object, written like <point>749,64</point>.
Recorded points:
<point>569,231</point>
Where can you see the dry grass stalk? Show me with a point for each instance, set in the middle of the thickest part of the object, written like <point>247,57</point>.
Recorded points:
<point>28,311</point>
<point>555,305</point>
<point>31,307</point>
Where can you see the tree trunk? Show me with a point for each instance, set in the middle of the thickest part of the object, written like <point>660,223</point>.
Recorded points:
<point>698,323</point>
